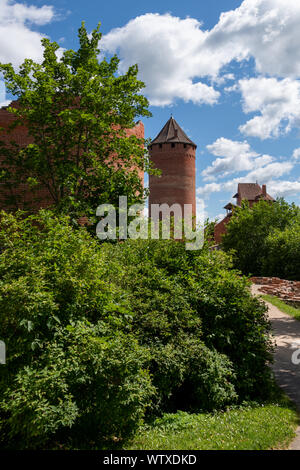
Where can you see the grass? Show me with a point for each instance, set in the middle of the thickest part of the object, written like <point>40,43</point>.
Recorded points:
<point>283,306</point>
<point>251,427</point>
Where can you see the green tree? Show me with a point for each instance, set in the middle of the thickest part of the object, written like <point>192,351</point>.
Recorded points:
<point>249,228</point>
<point>282,256</point>
<point>76,109</point>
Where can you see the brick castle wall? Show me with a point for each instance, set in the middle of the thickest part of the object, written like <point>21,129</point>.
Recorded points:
<point>38,197</point>
<point>220,229</point>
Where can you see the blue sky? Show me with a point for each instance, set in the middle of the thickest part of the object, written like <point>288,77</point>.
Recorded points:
<point>228,72</point>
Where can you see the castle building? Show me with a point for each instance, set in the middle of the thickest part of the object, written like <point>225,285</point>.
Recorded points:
<point>251,192</point>
<point>174,154</point>
<point>22,196</point>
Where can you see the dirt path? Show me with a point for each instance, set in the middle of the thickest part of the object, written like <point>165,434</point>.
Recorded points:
<point>287,334</point>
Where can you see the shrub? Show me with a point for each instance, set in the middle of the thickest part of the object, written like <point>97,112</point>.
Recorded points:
<point>150,276</point>
<point>233,322</point>
<point>88,384</point>
<point>176,294</point>
<point>97,334</point>
<point>188,375</point>
<point>64,368</point>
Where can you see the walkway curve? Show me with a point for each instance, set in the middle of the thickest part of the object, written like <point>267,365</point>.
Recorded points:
<point>286,331</point>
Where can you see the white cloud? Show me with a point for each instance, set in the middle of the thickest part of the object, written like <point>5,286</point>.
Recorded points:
<point>296,154</point>
<point>209,188</point>
<point>267,30</point>
<point>174,54</point>
<point>4,103</point>
<point>234,156</point>
<point>284,188</point>
<point>166,49</point>
<point>267,173</point>
<point>201,213</point>
<point>238,157</point>
<point>277,101</point>
<point>219,217</point>
<point>275,188</point>
<point>3,100</point>
<point>21,13</point>
<point>17,40</point>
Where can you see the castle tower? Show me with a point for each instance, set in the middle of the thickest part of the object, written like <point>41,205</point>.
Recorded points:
<point>174,154</point>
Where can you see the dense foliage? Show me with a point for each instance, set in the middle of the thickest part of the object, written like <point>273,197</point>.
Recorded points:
<point>282,252</point>
<point>100,335</point>
<point>260,234</point>
<point>76,109</point>
<point>173,291</point>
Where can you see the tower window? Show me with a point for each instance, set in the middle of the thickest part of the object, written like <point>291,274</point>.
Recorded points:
<point>172,145</point>
<point>160,146</point>
<point>184,146</point>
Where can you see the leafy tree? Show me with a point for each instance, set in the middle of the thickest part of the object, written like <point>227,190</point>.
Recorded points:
<point>76,109</point>
<point>249,228</point>
<point>282,254</point>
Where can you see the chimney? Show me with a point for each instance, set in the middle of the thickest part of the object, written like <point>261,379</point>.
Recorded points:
<point>264,190</point>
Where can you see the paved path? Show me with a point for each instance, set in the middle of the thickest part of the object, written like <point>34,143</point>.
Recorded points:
<point>286,331</point>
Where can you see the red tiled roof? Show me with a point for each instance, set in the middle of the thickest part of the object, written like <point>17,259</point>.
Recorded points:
<point>251,192</point>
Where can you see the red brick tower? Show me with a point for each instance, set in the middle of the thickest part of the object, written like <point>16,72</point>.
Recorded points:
<point>174,154</point>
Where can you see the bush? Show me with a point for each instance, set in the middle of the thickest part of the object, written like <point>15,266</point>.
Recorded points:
<point>97,334</point>
<point>234,323</point>
<point>176,294</point>
<point>64,368</point>
<point>87,382</point>
<point>188,375</point>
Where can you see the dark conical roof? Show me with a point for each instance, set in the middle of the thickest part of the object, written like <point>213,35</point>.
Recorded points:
<point>172,132</point>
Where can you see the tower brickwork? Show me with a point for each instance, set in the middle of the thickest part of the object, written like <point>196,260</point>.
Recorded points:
<point>174,154</point>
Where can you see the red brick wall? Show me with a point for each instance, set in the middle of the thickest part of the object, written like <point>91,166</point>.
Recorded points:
<point>39,197</point>
<point>177,181</point>
<point>220,229</point>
